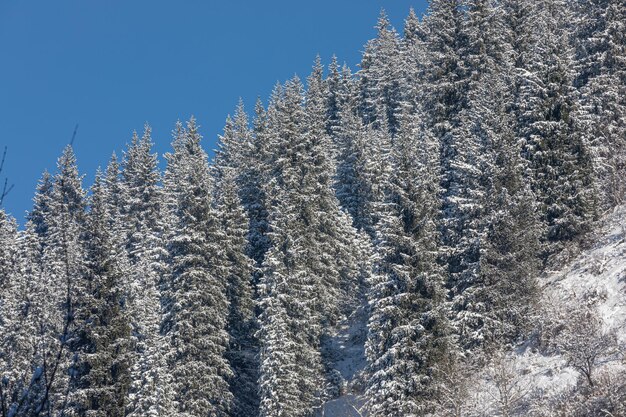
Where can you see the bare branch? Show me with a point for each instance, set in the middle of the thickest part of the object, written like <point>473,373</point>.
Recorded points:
<point>6,189</point>
<point>74,135</point>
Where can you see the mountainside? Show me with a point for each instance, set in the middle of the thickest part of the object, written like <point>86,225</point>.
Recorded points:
<point>404,241</point>
<point>539,377</point>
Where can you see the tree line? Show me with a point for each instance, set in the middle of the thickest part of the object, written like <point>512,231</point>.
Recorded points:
<point>431,186</point>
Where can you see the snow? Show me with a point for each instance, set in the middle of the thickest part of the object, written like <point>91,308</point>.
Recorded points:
<point>345,406</point>
<point>345,349</point>
<point>347,345</point>
<point>597,277</point>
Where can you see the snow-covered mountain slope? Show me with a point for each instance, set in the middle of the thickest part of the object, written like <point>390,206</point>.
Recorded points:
<point>597,277</point>
<point>536,373</point>
<point>344,350</point>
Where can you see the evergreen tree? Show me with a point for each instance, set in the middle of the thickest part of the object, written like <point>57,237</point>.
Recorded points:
<point>232,175</point>
<point>26,337</point>
<point>32,311</point>
<point>444,77</point>
<point>381,81</point>
<point>601,76</point>
<point>14,359</point>
<point>63,259</point>
<point>560,159</point>
<point>493,297</point>
<point>409,334</point>
<point>101,343</point>
<point>141,225</point>
<point>312,262</point>
<point>196,322</point>
<point>252,192</point>
<point>286,287</point>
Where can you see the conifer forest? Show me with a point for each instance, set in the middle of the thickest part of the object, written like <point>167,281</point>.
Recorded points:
<point>437,232</point>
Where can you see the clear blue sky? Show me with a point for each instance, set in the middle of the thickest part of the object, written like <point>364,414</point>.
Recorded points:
<point>111,66</point>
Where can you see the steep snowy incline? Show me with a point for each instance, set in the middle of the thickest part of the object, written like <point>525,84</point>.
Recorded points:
<point>537,374</point>
<point>597,277</point>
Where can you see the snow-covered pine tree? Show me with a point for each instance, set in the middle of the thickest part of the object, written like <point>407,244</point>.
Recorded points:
<point>242,351</point>
<point>409,333</point>
<point>453,66</point>
<point>312,261</point>
<point>510,252</point>
<point>381,78</point>
<point>233,177</point>
<point>15,346</point>
<point>63,260</point>
<point>244,151</point>
<point>487,307</point>
<point>141,226</point>
<point>252,191</point>
<point>444,78</point>
<point>340,260</point>
<point>468,146</point>
<point>8,253</point>
<point>601,59</point>
<point>101,341</point>
<point>195,323</point>
<point>493,305</point>
<point>31,311</point>
<point>560,159</point>
<point>290,325</point>
<point>27,338</point>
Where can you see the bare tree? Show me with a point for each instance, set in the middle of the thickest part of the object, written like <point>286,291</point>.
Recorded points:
<point>584,343</point>
<point>6,188</point>
<point>511,388</point>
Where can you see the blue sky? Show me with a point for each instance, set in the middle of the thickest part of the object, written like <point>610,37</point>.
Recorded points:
<point>110,66</point>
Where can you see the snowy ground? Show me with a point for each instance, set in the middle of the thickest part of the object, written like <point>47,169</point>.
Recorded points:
<point>346,350</point>
<point>598,276</point>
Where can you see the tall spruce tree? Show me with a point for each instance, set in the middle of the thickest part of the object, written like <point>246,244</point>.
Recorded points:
<point>381,78</point>
<point>560,159</point>
<point>16,346</point>
<point>195,324</point>
<point>63,259</point>
<point>141,226</point>
<point>409,334</point>
<point>101,342</point>
<point>312,261</point>
<point>233,178</point>
<point>25,333</point>
<point>601,75</point>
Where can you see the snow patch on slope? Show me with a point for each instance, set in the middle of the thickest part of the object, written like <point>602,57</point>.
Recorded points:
<point>597,278</point>
<point>345,351</point>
